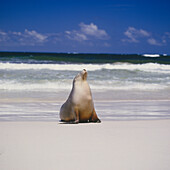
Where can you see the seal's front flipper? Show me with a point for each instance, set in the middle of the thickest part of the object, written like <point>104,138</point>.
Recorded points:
<point>76,115</point>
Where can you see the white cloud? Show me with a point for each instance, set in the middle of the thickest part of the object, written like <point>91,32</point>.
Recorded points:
<point>131,36</point>
<point>17,33</point>
<point>152,41</point>
<point>75,35</point>
<point>134,34</point>
<point>2,33</point>
<point>144,33</point>
<point>35,35</point>
<point>167,34</point>
<point>87,32</point>
<point>93,30</point>
<point>166,37</point>
<point>23,38</point>
<point>81,36</point>
<point>3,36</point>
<point>107,44</point>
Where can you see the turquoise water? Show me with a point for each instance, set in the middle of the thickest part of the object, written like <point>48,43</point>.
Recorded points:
<point>82,58</point>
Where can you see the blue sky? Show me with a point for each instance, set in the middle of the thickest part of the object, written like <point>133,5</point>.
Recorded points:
<point>88,26</point>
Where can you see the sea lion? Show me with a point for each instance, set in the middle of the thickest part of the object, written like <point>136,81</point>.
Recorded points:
<point>79,106</point>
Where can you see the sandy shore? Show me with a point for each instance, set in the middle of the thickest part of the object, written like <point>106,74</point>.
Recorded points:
<point>109,105</point>
<point>119,145</point>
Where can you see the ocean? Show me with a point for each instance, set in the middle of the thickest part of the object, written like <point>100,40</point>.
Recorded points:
<point>53,73</point>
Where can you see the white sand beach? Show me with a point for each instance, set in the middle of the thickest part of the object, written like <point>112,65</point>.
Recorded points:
<point>120,145</point>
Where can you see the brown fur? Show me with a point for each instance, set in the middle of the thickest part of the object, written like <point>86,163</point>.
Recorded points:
<point>79,106</point>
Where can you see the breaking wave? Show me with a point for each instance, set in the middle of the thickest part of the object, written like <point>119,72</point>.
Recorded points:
<point>149,67</point>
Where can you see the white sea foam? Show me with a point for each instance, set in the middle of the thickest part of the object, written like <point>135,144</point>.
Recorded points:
<point>58,86</point>
<point>54,77</point>
<point>49,86</point>
<point>151,55</point>
<point>149,67</point>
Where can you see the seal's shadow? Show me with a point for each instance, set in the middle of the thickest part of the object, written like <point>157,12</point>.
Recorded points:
<point>73,122</point>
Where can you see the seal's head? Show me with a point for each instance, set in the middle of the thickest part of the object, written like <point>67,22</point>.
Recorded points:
<point>82,76</point>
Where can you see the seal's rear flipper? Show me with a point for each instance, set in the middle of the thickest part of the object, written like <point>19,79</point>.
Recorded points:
<point>94,117</point>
